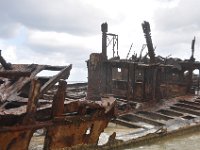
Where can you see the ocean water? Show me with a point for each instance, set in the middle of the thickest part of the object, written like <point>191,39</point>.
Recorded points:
<point>184,142</point>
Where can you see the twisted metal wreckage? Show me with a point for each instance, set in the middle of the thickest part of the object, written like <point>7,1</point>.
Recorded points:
<point>29,102</point>
<point>155,95</point>
<point>143,89</point>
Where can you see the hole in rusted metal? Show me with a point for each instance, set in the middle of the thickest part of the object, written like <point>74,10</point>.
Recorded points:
<point>90,111</point>
<point>119,69</point>
<point>89,130</point>
<point>37,140</point>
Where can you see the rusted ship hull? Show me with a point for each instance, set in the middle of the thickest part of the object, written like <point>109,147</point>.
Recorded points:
<point>30,102</point>
<point>83,127</point>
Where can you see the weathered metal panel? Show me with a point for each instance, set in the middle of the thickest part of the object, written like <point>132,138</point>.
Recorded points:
<point>78,132</point>
<point>15,140</point>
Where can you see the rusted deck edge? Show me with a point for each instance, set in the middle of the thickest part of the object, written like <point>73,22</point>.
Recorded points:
<point>151,138</point>
<point>141,141</point>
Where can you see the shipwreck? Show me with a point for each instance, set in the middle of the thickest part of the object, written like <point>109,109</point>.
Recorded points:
<point>152,96</point>
<point>155,95</point>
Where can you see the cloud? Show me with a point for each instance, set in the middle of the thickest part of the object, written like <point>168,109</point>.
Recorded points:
<point>74,17</point>
<point>8,52</point>
<point>9,30</point>
<point>74,49</point>
<point>41,53</point>
<point>175,27</point>
<point>54,39</point>
<point>183,16</point>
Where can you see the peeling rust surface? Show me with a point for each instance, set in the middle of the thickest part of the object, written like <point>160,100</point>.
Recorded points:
<point>18,140</point>
<point>78,132</point>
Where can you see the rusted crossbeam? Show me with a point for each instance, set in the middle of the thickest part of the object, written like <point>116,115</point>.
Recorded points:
<point>63,74</point>
<point>54,68</point>
<point>14,88</point>
<point>14,73</point>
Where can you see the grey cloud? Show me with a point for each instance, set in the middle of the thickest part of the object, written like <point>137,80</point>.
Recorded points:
<point>182,17</point>
<point>74,17</point>
<point>9,30</point>
<point>175,28</point>
<point>75,55</point>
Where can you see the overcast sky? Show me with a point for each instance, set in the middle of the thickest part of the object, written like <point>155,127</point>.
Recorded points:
<point>62,32</point>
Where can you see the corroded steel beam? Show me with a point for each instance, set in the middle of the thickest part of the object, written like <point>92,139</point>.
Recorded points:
<point>58,102</point>
<point>64,74</point>
<point>104,29</point>
<point>54,68</point>
<point>14,74</point>
<point>147,34</point>
<point>32,102</point>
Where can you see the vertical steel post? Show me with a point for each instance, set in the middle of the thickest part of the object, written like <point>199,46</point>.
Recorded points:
<point>104,29</point>
<point>58,101</point>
